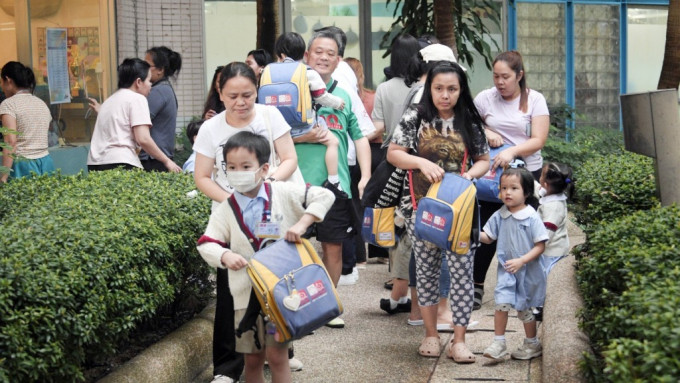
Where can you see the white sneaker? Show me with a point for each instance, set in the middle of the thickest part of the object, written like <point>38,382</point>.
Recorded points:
<point>222,379</point>
<point>347,280</point>
<point>527,351</point>
<point>295,364</point>
<point>497,350</point>
<point>336,323</point>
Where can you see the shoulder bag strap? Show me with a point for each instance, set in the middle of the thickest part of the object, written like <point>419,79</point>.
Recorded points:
<point>254,241</point>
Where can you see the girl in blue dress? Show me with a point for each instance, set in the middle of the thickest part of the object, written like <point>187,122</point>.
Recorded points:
<point>521,282</point>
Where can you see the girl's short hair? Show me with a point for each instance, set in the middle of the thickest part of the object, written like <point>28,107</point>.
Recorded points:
<point>559,178</point>
<point>250,141</point>
<point>235,69</point>
<point>290,44</point>
<point>526,179</point>
<point>21,75</point>
<point>130,70</point>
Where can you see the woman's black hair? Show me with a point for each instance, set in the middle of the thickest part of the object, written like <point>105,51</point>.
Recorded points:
<point>290,44</point>
<point>21,75</point>
<point>213,101</point>
<point>403,50</point>
<point>130,70</point>
<point>192,129</point>
<point>559,178</point>
<point>235,69</point>
<point>261,57</point>
<point>466,115</point>
<point>166,59</point>
<point>250,141</point>
<point>526,179</point>
<point>416,66</point>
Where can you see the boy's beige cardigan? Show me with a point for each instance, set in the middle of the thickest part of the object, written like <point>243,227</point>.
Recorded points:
<point>224,233</point>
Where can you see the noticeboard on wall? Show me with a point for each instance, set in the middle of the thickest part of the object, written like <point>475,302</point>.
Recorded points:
<point>82,62</point>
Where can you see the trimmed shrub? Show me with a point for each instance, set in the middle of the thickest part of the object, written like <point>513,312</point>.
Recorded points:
<point>628,274</point>
<point>574,147</point>
<point>613,186</point>
<point>83,259</point>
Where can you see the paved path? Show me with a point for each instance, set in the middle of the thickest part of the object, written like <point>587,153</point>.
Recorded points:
<point>376,347</point>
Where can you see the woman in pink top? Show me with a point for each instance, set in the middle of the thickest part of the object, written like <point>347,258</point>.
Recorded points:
<point>124,124</point>
<point>514,115</point>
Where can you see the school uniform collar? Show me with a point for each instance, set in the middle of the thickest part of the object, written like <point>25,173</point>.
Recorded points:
<point>520,215</point>
<point>552,198</point>
<point>243,201</point>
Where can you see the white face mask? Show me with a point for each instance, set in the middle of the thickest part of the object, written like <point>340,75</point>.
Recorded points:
<point>542,192</point>
<point>243,181</point>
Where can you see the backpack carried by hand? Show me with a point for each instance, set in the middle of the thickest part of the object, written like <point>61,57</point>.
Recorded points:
<point>293,288</point>
<point>448,215</point>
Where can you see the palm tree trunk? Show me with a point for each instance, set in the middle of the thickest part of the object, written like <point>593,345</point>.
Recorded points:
<point>670,71</point>
<point>443,23</point>
<point>267,24</point>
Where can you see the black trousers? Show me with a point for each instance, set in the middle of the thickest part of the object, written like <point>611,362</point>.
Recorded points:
<point>152,165</point>
<point>226,361</point>
<point>353,248</point>
<point>377,156</point>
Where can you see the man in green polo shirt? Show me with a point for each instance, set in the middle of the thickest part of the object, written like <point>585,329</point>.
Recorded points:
<point>322,56</point>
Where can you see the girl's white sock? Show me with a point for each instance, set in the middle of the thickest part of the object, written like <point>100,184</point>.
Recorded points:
<point>533,340</point>
<point>334,179</point>
<point>403,300</point>
<point>499,338</point>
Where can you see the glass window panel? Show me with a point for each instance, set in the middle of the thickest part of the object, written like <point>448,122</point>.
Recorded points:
<point>381,19</point>
<point>599,40</point>
<point>341,13</point>
<point>8,34</point>
<point>230,33</point>
<point>646,39</point>
<point>81,18</point>
<point>542,46</point>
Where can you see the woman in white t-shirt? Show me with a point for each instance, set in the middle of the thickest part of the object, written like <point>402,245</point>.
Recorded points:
<point>514,115</point>
<point>238,91</point>
<point>124,124</point>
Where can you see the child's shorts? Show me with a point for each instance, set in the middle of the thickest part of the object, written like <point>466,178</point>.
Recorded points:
<point>400,255</point>
<point>246,343</point>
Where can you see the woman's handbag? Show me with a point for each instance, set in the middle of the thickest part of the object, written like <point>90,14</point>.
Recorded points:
<point>381,196</point>
<point>296,177</point>
<point>488,184</point>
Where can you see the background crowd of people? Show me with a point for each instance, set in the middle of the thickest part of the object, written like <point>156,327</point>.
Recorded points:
<point>422,118</point>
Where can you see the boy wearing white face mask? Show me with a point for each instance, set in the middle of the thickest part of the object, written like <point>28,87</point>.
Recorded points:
<point>257,210</point>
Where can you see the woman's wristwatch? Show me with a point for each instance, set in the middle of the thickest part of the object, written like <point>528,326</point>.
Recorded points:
<point>271,179</point>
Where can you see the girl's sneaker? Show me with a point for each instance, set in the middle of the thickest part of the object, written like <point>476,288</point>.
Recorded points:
<point>527,351</point>
<point>497,350</point>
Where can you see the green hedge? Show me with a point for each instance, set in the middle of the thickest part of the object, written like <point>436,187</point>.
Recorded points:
<point>629,275</point>
<point>83,259</point>
<point>577,146</point>
<point>613,186</point>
